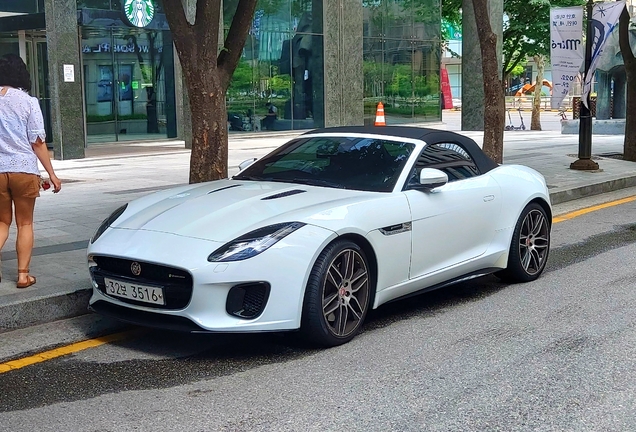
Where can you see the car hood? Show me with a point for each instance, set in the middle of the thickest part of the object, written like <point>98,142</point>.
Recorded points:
<point>225,209</point>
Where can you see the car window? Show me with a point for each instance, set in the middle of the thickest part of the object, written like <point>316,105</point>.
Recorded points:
<point>343,162</point>
<point>451,158</point>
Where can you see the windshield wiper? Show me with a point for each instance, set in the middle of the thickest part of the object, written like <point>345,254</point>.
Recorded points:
<point>317,182</point>
<point>252,178</point>
<point>305,181</point>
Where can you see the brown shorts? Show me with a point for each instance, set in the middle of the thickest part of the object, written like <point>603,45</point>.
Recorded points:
<point>18,185</point>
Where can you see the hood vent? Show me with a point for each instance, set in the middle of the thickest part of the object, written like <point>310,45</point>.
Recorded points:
<point>223,188</point>
<point>283,194</point>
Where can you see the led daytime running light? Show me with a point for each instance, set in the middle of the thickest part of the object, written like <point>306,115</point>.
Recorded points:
<point>253,243</point>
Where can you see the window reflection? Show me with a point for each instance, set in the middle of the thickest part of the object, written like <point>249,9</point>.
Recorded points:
<point>401,60</point>
<point>278,83</point>
<point>128,84</point>
<point>21,6</point>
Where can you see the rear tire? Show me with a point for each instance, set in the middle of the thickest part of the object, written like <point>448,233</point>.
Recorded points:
<point>530,246</point>
<point>338,295</point>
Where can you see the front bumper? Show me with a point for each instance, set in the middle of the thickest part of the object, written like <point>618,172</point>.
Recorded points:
<point>284,269</point>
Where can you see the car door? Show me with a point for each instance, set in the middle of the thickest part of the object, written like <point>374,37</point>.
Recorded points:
<point>456,222</point>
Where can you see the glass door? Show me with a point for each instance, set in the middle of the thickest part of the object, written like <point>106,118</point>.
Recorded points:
<point>31,46</point>
<point>40,77</point>
<point>129,84</point>
<point>99,86</point>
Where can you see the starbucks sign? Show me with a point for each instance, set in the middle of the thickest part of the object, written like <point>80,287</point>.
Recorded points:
<point>139,12</point>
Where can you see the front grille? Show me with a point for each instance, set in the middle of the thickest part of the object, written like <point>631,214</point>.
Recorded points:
<point>247,300</point>
<point>176,283</point>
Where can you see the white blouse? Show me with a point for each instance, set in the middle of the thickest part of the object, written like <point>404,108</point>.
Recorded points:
<point>21,124</point>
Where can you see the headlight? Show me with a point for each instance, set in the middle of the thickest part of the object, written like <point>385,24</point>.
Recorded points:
<point>253,243</point>
<point>108,222</point>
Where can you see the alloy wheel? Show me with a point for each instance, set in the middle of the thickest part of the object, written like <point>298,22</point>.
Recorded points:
<point>345,293</point>
<point>534,241</point>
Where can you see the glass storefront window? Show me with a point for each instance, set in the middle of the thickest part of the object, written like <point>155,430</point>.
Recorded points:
<point>94,4</point>
<point>401,60</point>
<point>278,84</point>
<point>22,6</point>
<point>36,56</point>
<point>113,5</point>
<point>129,84</point>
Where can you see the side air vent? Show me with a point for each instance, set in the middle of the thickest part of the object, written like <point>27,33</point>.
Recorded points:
<point>223,188</point>
<point>283,194</point>
<point>247,300</point>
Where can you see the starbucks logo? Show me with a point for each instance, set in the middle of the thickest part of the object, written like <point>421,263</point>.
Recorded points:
<point>139,12</point>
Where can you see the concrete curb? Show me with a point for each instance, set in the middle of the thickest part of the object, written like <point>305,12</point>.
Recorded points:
<point>42,310</point>
<point>561,195</point>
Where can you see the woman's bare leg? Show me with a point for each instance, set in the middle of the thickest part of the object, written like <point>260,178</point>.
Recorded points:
<point>6,210</point>
<point>24,242</point>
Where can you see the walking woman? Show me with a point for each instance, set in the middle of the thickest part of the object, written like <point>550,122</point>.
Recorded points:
<point>22,143</point>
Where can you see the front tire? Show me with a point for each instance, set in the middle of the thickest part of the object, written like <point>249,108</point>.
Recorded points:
<point>338,295</point>
<point>530,246</point>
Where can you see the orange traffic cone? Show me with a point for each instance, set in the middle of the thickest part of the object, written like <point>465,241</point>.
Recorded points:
<point>379,115</point>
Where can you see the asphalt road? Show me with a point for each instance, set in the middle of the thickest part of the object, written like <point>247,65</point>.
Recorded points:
<point>558,354</point>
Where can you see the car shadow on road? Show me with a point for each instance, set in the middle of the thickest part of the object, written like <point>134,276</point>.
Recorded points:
<point>156,359</point>
<point>433,302</point>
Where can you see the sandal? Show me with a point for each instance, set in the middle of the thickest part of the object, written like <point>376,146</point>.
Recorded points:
<point>30,279</point>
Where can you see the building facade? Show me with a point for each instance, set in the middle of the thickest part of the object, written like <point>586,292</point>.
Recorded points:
<point>106,71</point>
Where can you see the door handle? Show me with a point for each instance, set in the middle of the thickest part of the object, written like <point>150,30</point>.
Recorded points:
<point>489,198</point>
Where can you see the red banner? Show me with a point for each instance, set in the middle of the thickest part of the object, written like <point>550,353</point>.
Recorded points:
<point>447,94</point>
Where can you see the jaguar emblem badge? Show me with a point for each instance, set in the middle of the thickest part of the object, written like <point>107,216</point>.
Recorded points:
<point>135,268</point>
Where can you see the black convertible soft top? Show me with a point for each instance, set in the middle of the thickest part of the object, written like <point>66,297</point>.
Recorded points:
<point>429,136</point>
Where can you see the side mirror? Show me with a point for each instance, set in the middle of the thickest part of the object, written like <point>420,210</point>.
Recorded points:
<point>246,163</point>
<point>431,178</point>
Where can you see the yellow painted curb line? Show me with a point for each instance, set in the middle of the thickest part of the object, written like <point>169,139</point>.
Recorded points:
<point>587,210</point>
<point>62,351</point>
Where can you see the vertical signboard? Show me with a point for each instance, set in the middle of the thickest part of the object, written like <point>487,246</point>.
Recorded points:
<point>567,50</point>
<point>604,20</point>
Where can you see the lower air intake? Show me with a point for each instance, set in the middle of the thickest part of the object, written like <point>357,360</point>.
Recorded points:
<point>247,300</point>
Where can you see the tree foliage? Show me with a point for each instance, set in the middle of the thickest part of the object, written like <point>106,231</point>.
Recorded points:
<point>526,27</point>
<point>527,30</point>
<point>452,12</point>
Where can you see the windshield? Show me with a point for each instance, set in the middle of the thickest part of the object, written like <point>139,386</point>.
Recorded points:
<point>366,164</point>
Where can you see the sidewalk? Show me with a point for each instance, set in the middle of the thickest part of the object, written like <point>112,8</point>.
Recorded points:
<point>112,175</point>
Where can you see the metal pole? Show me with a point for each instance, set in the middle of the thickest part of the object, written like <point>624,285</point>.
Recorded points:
<point>585,161</point>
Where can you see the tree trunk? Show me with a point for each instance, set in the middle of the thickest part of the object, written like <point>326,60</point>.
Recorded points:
<point>629,146</point>
<point>494,96</point>
<point>535,123</point>
<point>209,156</point>
<point>207,72</point>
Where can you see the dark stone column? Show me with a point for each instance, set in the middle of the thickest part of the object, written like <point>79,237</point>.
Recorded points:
<point>67,98</point>
<point>620,95</point>
<point>184,116</point>
<point>170,85</point>
<point>472,77</point>
<point>603,95</point>
<point>342,27</point>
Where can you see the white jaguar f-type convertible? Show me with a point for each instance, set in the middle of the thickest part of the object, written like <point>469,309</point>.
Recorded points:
<point>313,235</point>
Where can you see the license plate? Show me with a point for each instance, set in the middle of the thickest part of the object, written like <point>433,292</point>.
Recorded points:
<point>142,293</point>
